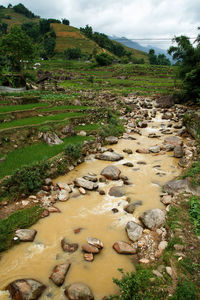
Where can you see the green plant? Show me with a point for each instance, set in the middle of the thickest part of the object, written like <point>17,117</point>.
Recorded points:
<point>138,286</point>
<point>20,219</point>
<point>194,173</point>
<point>104,59</point>
<point>185,290</point>
<point>73,150</point>
<point>195,212</point>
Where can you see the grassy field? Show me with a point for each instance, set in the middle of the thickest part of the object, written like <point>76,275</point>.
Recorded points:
<point>33,154</point>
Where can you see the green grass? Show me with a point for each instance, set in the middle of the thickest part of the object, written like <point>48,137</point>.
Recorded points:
<point>19,219</point>
<point>65,107</point>
<point>194,173</point>
<point>195,213</point>
<point>33,154</point>
<point>11,108</point>
<point>40,120</point>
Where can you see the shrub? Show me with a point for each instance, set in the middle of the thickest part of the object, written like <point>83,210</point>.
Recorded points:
<point>195,212</point>
<point>25,181</point>
<point>21,9</point>
<point>114,127</point>
<point>73,150</point>
<point>185,290</point>
<point>65,22</point>
<point>137,286</point>
<point>104,59</point>
<point>72,53</point>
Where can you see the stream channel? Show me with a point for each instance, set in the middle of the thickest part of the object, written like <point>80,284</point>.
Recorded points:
<point>93,213</point>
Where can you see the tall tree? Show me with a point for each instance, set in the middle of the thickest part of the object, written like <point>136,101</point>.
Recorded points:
<point>17,47</point>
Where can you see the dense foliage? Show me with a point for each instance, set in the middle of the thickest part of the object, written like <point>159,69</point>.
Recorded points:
<point>104,59</point>
<point>65,22</point>
<point>72,53</point>
<point>3,28</point>
<point>17,47</point>
<point>104,42</point>
<point>21,9</point>
<point>73,150</point>
<point>188,58</point>
<point>159,59</point>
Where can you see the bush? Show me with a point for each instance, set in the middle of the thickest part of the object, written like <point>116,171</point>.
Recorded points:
<point>73,150</point>
<point>72,53</point>
<point>25,181</point>
<point>21,9</point>
<point>104,59</point>
<point>185,290</point>
<point>195,213</point>
<point>65,22</point>
<point>113,128</point>
<point>137,286</point>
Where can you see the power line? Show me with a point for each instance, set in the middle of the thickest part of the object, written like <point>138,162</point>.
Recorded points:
<point>148,39</point>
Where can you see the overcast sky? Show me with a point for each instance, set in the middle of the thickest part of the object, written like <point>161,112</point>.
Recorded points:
<point>134,19</point>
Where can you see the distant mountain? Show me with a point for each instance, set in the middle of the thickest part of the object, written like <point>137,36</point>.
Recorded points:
<point>135,45</point>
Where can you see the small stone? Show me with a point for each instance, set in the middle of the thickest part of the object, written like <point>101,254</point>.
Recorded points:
<point>67,247</point>
<point>154,149</point>
<point>78,291</point>
<point>82,190</point>
<point>142,151</point>
<point>78,230</point>
<point>128,164</point>
<point>111,140</point>
<point>115,210</point>
<point>144,261</point>
<point>134,231</point>
<point>111,172</point>
<point>169,271</point>
<point>101,192</point>
<point>157,273</point>
<point>123,248</point>
<point>63,195</point>
<point>162,245</point>
<point>90,248</point>
<point>95,242</point>
<point>26,235</point>
<point>128,151</point>
<point>88,257</point>
<point>179,247</point>
<point>167,199</point>
<point>59,273</point>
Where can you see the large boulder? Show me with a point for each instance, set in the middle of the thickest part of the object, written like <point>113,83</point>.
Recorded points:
<point>79,291</point>
<point>178,152</point>
<point>59,273</point>
<point>124,248</point>
<point>111,140</point>
<point>173,140</point>
<point>154,149</point>
<point>111,172</point>
<point>134,231</point>
<point>165,102</point>
<point>178,186</point>
<point>117,191</point>
<point>25,235</point>
<point>26,289</point>
<point>109,156</point>
<point>86,184</point>
<point>63,195</point>
<point>153,218</point>
<point>51,138</point>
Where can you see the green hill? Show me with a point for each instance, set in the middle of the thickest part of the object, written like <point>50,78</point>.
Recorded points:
<point>66,36</point>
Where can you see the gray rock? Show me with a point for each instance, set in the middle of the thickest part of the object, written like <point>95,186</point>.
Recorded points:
<point>109,156</point>
<point>128,164</point>
<point>124,248</point>
<point>82,133</point>
<point>153,218</point>
<point>63,195</point>
<point>173,140</point>
<point>178,152</point>
<point>68,130</point>
<point>177,186</point>
<point>134,231</point>
<point>111,140</point>
<point>154,149</point>
<point>90,178</point>
<point>130,208</point>
<point>128,151</point>
<point>78,291</point>
<point>25,289</point>
<point>51,138</point>
<point>168,147</point>
<point>117,191</point>
<point>26,235</point>
<point>95,242</point>
<point>86,184</point>
<point>111,172</point>
<point>59,273</point>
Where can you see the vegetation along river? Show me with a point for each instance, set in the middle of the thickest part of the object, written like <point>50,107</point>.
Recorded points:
<point>93,214</point>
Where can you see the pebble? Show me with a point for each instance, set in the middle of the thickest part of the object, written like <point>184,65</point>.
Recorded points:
<point>169,271</point>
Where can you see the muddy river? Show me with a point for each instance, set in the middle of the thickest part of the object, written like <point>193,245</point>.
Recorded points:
<point>93,213</point>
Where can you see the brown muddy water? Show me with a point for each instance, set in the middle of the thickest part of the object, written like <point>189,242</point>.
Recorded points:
<point>93,213</point>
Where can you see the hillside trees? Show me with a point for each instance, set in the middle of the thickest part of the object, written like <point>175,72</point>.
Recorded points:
<point>161,59</point>
<point>188,57</point>
<point>65,22</point>
<point>17,48</point>
<point>21,9</point>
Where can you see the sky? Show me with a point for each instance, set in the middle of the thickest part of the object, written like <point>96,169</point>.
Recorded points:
<point>133,19</point>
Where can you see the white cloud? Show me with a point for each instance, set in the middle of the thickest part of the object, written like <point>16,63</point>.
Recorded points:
<point>130,18</point>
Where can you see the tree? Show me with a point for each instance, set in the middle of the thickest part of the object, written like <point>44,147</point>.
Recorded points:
<point>32,29</point>
<point>17,47</point>
<point>73,53</point>
<point>104,59</point>
<point>44,26</point>
<point>65,22</point>
<point>188,58</point>
<point>21,9</point>
<point>3,28</point>
<point>152,57</point>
